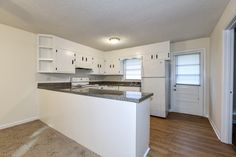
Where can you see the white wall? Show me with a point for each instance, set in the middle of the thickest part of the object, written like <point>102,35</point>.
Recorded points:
<point>18,81</point>
<point>139,50</point>
<point>198,44</point>
<point>216,78</point>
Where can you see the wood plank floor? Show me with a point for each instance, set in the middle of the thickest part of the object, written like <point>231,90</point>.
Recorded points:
<point>183,135</point>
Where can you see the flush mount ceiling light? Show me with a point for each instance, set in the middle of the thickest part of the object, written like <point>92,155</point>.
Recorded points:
<point>114,40</point>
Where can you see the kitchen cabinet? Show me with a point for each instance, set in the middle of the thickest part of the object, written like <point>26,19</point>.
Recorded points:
<point>164,55</point>
<point>113,67</point>
<point>129,88</point>
<point>45,54</point>
<point>83,61</point>
<point>65,61</point>
<point>52,58</point>
<point>97,66</point>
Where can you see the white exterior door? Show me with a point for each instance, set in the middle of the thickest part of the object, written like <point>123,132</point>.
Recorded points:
<point>187,83</point>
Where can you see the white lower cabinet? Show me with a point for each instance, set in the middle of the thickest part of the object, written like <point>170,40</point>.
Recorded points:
<point>128,88</point>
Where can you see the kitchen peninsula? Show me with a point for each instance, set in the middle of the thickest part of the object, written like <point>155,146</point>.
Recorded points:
<point>108,122</point>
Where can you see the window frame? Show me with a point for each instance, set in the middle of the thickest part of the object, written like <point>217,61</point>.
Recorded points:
<point>124,69</point>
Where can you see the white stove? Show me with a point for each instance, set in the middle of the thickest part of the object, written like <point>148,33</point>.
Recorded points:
<point>81,82</point>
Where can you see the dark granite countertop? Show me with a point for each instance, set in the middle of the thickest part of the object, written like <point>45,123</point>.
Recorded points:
<point>129,96</point>
<point>117,83</point>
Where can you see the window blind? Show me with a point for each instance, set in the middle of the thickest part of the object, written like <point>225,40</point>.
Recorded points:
<point>132,68</point>
<point>188,69</point>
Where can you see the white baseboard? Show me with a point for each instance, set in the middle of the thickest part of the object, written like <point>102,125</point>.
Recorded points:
<point>4,126</point>
<point>146,153</point>
<point>217,132</point>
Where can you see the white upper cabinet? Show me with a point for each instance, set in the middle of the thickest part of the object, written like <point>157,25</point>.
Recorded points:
<point>113,66</point>
<point>97,66</point>
<point>154,61</point>
<point>52,56</point>
<point>65,61</point>
<point>83,61</point>
<point>68,52</point>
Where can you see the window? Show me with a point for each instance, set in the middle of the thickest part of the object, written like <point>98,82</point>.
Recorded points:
<point>188,69</point>
<point>132,69</point>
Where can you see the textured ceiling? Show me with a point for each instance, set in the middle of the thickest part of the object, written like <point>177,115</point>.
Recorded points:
<point>136,22</point>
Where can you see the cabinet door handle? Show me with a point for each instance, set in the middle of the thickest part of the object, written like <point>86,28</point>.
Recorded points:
<point>168,55</point>
<point>98,65</point>
<point>113,66</point>
<point>82,58</point>
<point>86,59</point>
<point>72,61</point>
<point>156,56</point>
<point>151,56</point>
<point>56,68</point>
<point>110,65</point>
<point>56,50</point>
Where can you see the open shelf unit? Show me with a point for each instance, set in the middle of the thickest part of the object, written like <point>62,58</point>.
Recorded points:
<point>45,53</point>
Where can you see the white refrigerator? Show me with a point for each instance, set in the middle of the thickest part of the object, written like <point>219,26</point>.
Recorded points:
<point>156,80</point>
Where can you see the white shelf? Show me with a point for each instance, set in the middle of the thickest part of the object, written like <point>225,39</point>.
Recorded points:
<point>45,54</point>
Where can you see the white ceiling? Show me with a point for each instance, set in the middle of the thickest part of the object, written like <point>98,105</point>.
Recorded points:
<point>136,22</point>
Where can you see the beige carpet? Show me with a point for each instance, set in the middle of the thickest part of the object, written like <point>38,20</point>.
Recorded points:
<point>35,139</point>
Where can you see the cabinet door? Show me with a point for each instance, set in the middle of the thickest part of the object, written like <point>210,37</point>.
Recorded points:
<point>83,61</point>
<point>117,66</point>
<point>95,66</point>
<point>101,66</point>
<point>108,67</point>
<point>65,61</point>
<point>164,55</point>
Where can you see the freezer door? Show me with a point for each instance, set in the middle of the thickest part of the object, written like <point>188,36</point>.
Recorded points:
<point>153,68</point>
<point>157,86</point>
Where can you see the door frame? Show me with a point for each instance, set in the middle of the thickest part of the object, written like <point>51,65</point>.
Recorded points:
<point>203,78</point>
<point>228,83</point>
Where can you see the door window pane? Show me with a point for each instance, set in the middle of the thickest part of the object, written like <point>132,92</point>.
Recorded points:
<point>188,69</point>
<point>188,59</point>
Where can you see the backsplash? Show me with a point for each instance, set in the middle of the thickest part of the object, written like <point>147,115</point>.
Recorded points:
<point>45,78</point>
